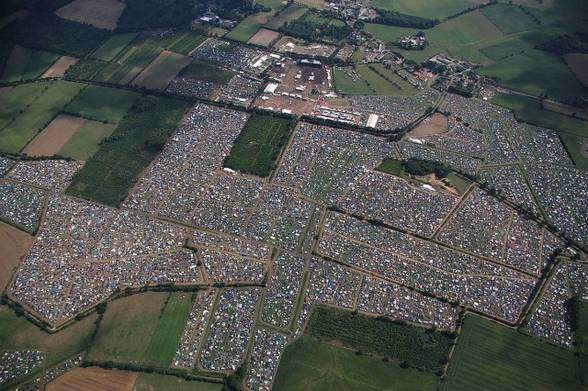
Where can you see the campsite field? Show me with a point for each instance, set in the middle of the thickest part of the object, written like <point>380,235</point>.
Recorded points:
<point>259,144</point>
<point>495,357</point>
<point>309,365</point>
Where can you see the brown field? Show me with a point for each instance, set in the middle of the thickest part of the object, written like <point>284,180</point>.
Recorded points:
<point>264,37</point>
<point>95,379</point>
<point>561,108</point>
<point>5,90</point>
<point>60,66</point>
<point>578,63</point>
<point>14,244</point>
<point>103,14</point>
<point>585,148</point>
<point>436,124</point>
<point>54,136</point>
<point>16,61</point>
<point>162,70</point>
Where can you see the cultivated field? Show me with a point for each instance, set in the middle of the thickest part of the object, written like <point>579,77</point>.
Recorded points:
<point>264,37</point>
<point>425,8</point>
<point>383,81</point>
<point>86,141</point>
<point>95,379</point>
<point>60,66</point>
<point>435,124</point>
<point>54,136</point>
<point>578,63</point>
<point>500,358</point>
<point>102,103</point>
<point>156,382</point>
<point>247,28</point>
<point>14,244</point>
<point>20,333</point>
<point>114,45</point>
<point>162,70</point>
<point>292,12</point>
<point>259,144</point>
<point>26,64</point>
<point>103,14</point>
<point>309,365</point>
<point>127,326</point>
<point>391,166</point>
<point>14,100</point>
<point>350,84</point>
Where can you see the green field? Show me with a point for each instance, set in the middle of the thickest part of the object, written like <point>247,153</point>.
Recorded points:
<point>102,103</point>
<point>161,71</point>
<point>19,333</point>
<point>582,337</point>
<point>16,135</point>
<point>273,4</point>
<point>156,382</point>
<point>348,86</point>
<point>572,131</point>
<point>249,26</point>
<point>309,365</point>
<point>113,46</point>
<point>391,166</point>
<point>185,43</point>
<point>164,342</point>
<point>460,183</point>
<point>432,9</point>
<point>110,173</point>
<point>418,347</point>
<point>292,12</point>
<point>388,33</point>
<point>207,71</point>
<point>127,327</point>
<point>384,81</point>
<point>490,356</point>
<point>509,19</point>
<point>259,144</point>
<point>17,99</point>
<point>27,64</point>
<point>86,141</point>
<point>140,52</point>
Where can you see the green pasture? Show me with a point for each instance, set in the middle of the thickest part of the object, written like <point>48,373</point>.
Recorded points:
<point>348,86</point>
<point>16,135</point>
<point>259,144</point>
<point>162,70</point>
<point>110,173</point>
<point>273,4</point>
<point>291,12</point>
<point>113,46</point>
<point>391,166</point>
<point>185,43</point>
<point>103,104</point>
<point>509,19</point>
<point>164,341</point>
<point>17,99</point>
<point>140,52</point>
<point>249,26</point>
<point>155,381</point>
<point>431,9</point>
<point>309,365</point>
<point>490,356</point>
<point>460,183</point>
<point>86,141</point>
<point>27,64</point>
<point>207,71</point>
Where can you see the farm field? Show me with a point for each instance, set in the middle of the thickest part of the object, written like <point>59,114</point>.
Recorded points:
<point>164,342</point>
<point>109,174</point>
<point>263,37</point>
<point>15,100</point>
<point>86,141</point>
<point>437,9</point>
<point>25,126</point>
<point>314,366</point>
<point>249,26</point>
<point>416,346</point>
<point>95,379</point>
<point>162,70</point>
<point>345,84</point>
<point>578,63</point>
<point>114,45</point>
<point>103,14</point>
<point>391,166</point>
<point>26,64</point>
<point>259,144</point>
<point>54,136</point>
<point>500,358</point>
<point>509,19</point>
<point>127,325</point>
<point>14,244</point>
<point>102,103</point>
<point>291,12</point>
<point>156,382</point>
<point>60,66</point>
<point>20,333</point>
<point>273,4</point>
<point>582,337</point>
<point>207,71</point>
<point>383,81</point>
<point>185,43</point>
<point>458,182</point>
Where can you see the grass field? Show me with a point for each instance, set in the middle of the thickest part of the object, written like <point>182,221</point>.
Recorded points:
<point>19,333</point>
<point>582,338</point>
<point>17,99</point>
<point>113,46</point>
<point>416,346</point>
<point>127,326</point>
<point>162,70</point>
<point>140,52</point>
<point>208,71</point>
<point>273,4</point>
<point>249,26</point>
<point>185,43</point>
<point>102,103</point>
<point>458,182</point>
<point>388,33</point>
<point>309,365</point>
<point>437,9</point>
<point>391,166</point>
<point>509,19</point>
<point>383,81</point>
<point>156,382</point>
<point>259,144</point>
<point>572,131</point>
<point>292,12</point>
<point>83,144</point>
<point>26,64</point>
<point>109,174</point>
<point>39,113</point>
<point>344,84</point>
<point>164,342</point>
<point>490,356</point>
